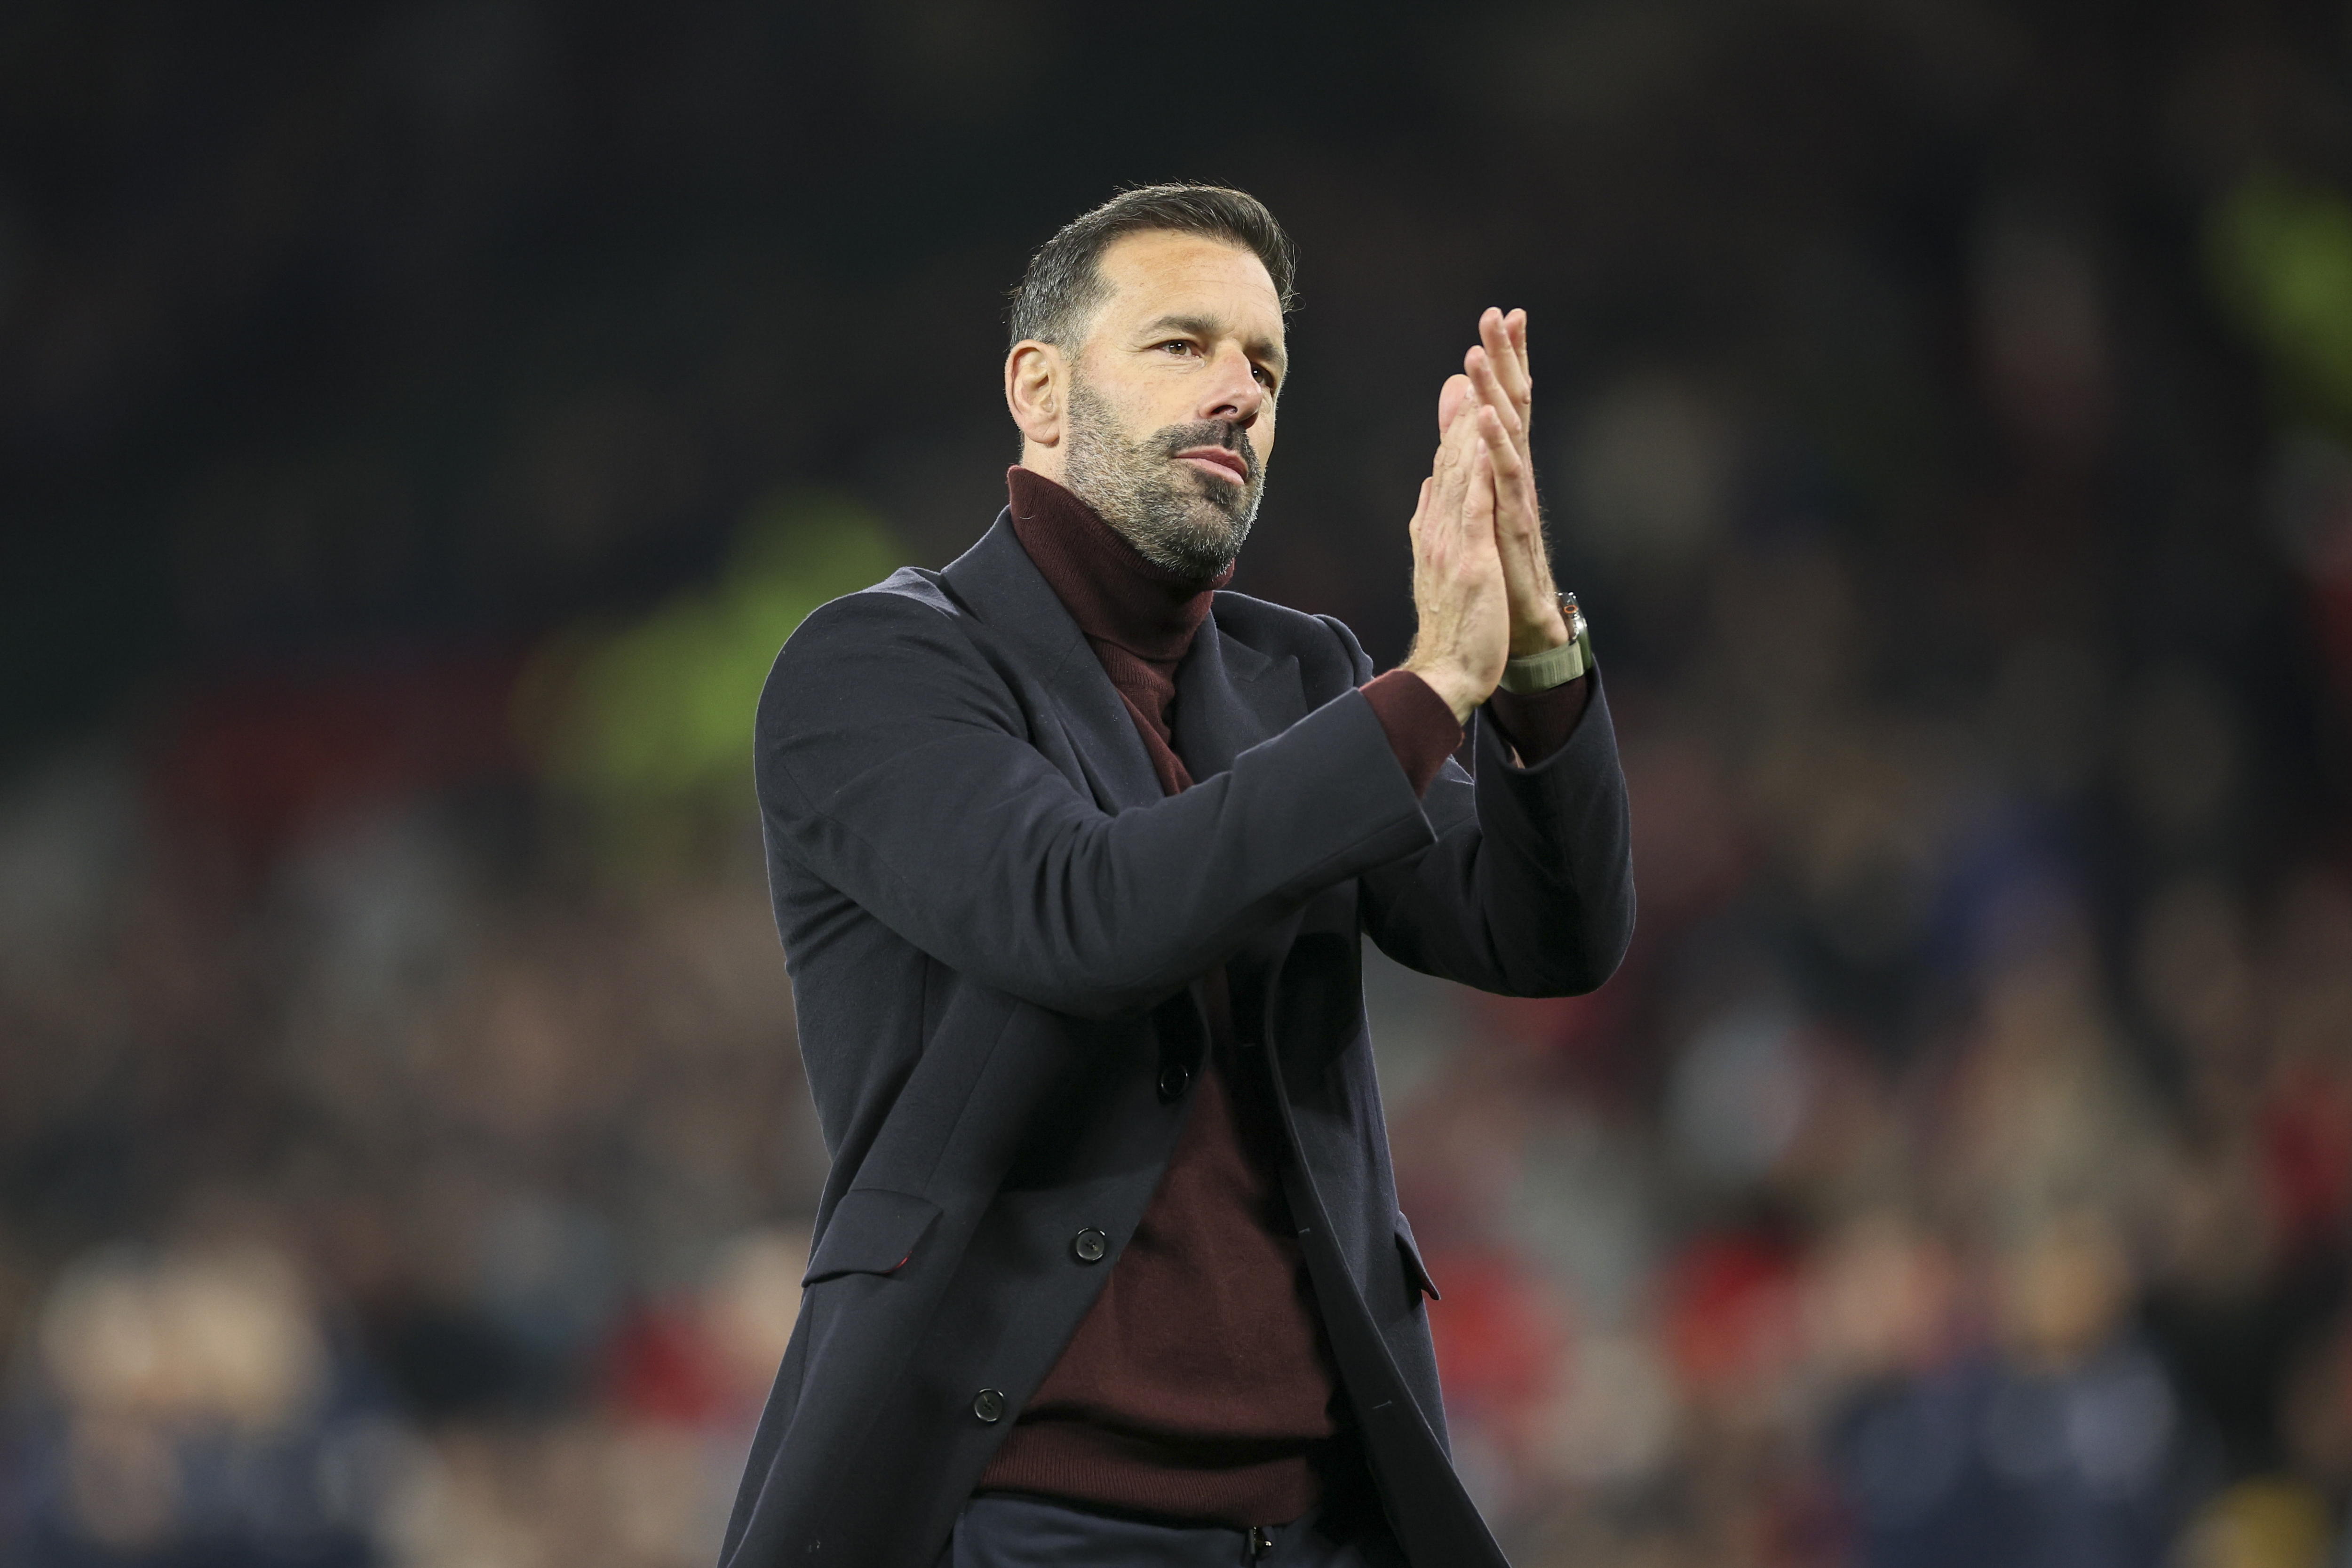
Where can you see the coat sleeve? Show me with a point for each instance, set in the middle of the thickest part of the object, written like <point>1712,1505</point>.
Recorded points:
<point>895,764</point>
<point>1527,886</point>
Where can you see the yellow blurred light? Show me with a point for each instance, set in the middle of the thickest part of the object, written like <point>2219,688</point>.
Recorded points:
<point>654,718</point>
<point>2281,251</point>
<point>2267,1522</point>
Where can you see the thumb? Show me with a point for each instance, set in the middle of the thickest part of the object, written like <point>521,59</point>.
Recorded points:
<point>1450,398</point>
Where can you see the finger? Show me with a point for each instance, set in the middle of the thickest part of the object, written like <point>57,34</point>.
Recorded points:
<point>1450,398</point>
<point>1440,483</point>
<point>1511,462</point>
<point>1478,502</point>
<point>1502,448</point>
<point>1515,327</point>
<point>1516,511</point>
<point>1452,474</point>
<point>1445,435</point>
<point>1491,390</point>
<point>1450,447</point>
<point>1495,337</point>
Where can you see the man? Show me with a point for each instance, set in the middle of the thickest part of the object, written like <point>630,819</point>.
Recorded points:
<point>1071,855</point>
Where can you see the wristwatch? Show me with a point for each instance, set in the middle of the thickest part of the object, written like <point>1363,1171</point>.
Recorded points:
<point>1555,666</point>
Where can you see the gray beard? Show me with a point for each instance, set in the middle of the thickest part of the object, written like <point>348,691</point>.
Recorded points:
<point>1180,520</point>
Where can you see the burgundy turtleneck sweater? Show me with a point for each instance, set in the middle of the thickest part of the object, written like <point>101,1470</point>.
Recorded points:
<point>1198,1387</point>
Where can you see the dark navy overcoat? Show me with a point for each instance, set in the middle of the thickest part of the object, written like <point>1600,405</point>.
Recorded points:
<point>995,925</point>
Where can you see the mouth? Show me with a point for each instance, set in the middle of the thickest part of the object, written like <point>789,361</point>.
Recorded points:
<point>1226,464</point>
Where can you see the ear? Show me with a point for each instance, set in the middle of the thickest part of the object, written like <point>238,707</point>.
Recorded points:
<point>1036,391</point>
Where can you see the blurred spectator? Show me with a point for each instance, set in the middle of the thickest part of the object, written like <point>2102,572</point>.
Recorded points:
<point>191,1407</point>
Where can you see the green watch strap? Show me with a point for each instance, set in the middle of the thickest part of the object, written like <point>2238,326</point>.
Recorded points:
<point>1554,667</point>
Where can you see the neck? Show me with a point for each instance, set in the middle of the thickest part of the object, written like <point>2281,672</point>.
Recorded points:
<point>1113,593</point>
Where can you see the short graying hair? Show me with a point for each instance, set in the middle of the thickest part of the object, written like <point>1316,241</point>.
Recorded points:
<point>1058,295</point>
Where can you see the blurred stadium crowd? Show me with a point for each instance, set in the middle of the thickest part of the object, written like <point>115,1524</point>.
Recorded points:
<point>421,424</point>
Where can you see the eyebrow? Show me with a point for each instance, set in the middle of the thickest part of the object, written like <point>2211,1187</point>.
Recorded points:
<point>1210,327</point>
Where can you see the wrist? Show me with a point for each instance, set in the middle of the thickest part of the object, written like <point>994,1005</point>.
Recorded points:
<point>1540,634</point>
<point>1459,691</point>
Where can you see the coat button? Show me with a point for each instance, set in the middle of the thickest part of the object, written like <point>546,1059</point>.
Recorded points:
<point>988,1406</point>
<point>1173,1077</point>
<point>1090,1244</point>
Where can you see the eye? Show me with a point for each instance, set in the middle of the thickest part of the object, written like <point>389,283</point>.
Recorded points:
<point>1264,376</point>
<point>1178,346</point>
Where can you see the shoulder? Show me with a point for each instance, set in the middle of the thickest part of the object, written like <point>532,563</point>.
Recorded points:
<point>910,604</point>
<point>900,642</point>
<point>910,594</point>
<point>1327,651</point>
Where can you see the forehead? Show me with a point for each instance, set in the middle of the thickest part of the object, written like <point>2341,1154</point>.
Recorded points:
<point>1160,272</point>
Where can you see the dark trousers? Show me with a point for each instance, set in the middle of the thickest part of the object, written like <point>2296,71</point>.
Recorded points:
<point>1006,1529</point>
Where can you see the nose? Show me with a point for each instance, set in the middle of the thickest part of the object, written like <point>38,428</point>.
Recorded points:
<point>1233,392</point>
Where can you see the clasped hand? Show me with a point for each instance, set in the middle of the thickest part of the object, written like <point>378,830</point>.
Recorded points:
<point>1482,584</point>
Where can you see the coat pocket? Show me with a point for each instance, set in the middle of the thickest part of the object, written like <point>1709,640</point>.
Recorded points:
<point>871,1232</point>
<point>1416,1272</point>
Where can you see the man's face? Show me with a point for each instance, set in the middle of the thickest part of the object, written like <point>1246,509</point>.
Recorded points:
<point>1172,397</point>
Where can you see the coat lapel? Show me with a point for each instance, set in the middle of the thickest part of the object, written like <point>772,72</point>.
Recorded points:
<point>1229,697</point>
<point>998,582</point>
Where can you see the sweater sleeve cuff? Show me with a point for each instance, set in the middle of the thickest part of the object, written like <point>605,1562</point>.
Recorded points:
<point>1420,728</point>
<point>1536,724</point>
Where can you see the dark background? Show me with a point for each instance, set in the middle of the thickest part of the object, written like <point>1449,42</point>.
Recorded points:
<point>419,424</point>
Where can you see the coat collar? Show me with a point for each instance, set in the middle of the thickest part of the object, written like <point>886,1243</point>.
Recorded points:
<point>1229,695</point>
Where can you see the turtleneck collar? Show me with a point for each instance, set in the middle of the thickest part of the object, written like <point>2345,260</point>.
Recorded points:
<point>1110,590</point>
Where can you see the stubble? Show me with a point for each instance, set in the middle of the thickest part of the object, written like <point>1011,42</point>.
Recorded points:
<point>1186,522</point>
